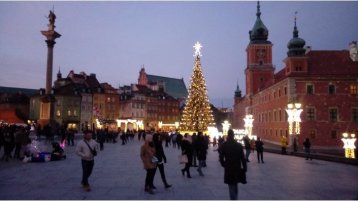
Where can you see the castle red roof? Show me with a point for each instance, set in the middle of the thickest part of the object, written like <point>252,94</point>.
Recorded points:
<point>331,63</point>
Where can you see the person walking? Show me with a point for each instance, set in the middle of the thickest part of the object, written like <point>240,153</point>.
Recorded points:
<point>284,144</point>
<point>159,153</point>
<point>9,143</point>
<point>187,149</point>
<point>195,152</point>
<point>307,146</point>
<point>201,148</point>
<point>247,147</point>
<point>260,150</point>
<point>147,153</point>
<point>232,158</point>
<point>101,137</point>
<point>87,150</point>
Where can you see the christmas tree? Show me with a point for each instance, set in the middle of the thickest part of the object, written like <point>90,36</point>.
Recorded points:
<point>197,114</point>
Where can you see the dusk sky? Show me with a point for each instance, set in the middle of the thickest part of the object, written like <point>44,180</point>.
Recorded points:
<point>114,39</point>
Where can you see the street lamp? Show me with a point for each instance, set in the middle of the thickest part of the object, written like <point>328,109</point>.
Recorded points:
<point>294,111</point>
<point>226,125</point>
<point>349,146</point>
<point>248,124</point>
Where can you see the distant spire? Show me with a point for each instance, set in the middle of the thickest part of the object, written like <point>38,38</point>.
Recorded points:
<point>238,91</point>
<point>258,14</point>
<point>59,75</point>
<point>295,30</point>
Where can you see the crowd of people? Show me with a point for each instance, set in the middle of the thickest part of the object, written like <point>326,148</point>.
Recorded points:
<point>233,156</point>
<point>18,144</point>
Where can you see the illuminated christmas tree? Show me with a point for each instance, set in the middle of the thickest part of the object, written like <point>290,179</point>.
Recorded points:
<point>197,114</point>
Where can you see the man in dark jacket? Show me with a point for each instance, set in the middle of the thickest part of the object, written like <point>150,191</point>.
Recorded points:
<point>233,160</point>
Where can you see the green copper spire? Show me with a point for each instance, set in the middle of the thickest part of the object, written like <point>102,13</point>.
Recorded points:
<point>296,44</point>
<point>259,32</point>
<point>238,91</point>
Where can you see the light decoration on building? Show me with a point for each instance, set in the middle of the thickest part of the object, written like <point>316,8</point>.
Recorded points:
<point>197,115</point>
<point>294,111</point>
<point>99,124</point>
<point>139,123</point>
<point>349,147</point>
<point>214,132</point>
<point>239,135</point>
<point>248,124</point>
<point>98,116</point>
<point>226,125</point>
<point>175,124</point>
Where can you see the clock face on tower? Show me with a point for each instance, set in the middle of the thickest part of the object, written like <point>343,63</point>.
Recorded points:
<point>261,53</point>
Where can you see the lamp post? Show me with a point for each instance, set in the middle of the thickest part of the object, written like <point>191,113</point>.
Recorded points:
<point>248,124</point>
<point>349,146</point>
<point>294,111</point>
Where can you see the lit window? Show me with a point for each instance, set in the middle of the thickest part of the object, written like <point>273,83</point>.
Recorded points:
<point>69,113</point>
<point>58,113</point>
<point>354,89</point>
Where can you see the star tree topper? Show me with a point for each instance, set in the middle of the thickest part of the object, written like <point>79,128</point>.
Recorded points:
<point>197,48</point>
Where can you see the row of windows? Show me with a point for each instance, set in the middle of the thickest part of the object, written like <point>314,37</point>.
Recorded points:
<point>281,115</point>
<point>275,94</point>
<point>69,103</point>
<point>353,89</point>
<point>69,113</point>
<point>333,114</point>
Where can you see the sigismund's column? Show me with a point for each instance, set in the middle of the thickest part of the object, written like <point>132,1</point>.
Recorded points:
<point>47,105</point>
<point>50,35</point>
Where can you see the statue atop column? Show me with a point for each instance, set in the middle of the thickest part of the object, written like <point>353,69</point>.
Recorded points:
<point>52,17</point>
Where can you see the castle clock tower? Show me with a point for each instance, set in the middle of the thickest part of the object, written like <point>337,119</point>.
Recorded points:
<point>260,69</point>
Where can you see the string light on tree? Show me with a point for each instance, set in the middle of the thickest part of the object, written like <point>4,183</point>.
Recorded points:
<point>197,114</point>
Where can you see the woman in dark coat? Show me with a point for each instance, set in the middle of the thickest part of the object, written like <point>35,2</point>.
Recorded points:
<point>201,149</point>
<point>187,148</point>
<point>233,160</point>
<point>159,153</point>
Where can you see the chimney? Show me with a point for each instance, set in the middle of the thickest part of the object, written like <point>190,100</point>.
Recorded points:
<point>353,51</point>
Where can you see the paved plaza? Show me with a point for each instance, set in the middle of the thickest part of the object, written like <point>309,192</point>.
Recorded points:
<point>119,175</point>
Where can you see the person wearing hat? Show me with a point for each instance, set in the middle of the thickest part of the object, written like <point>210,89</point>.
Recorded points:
<point>147,153</point>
